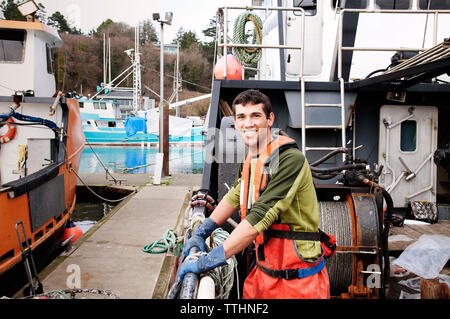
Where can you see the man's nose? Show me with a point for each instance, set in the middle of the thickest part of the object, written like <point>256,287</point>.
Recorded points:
<point>248,121</point>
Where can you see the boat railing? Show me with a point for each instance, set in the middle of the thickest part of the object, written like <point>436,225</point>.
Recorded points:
<point>371,9</point>
<point>225,43</point>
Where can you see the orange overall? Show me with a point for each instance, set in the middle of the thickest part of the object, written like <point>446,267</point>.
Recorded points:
<point>280,271</point>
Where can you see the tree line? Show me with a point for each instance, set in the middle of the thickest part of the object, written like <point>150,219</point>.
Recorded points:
<point>79,62</point>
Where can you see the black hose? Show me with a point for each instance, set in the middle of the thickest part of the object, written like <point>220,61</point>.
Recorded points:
<point>329,155</point>
<point>323,176</point>
<point>387,223</point>
<point>338,168</point>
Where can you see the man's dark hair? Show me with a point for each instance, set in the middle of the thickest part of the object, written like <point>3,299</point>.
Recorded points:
<point>253,97</point>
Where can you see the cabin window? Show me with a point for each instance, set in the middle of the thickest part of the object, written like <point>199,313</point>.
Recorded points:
<point>434,4</point>
<point>408,136</point>
<point>81,105</point>
<point>348,4</point>
<point>50,61</point>
<point>111,124</point>
<point>393,4</point>
<point>100,106</point>
<point>310,7</point>
<point>12,45</point>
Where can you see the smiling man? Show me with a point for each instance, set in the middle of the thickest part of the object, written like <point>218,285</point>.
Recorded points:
<point>279,212</point>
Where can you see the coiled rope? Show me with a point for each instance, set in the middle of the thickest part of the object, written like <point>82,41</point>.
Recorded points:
<point>162,245</point>
<point>249,57</point>
<point>223,276</point>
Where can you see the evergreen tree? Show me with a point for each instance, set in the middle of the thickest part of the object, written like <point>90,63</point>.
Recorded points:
<point>58,21</point>
<point>10,11</point>
<point>187,39</point>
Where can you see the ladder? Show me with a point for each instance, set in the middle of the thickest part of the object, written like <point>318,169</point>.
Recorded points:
<point>35,286</point>
<point>305,126</point>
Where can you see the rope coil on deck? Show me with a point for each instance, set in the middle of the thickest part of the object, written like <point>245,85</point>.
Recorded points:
<point>249,57</point>
<point>162,245</point>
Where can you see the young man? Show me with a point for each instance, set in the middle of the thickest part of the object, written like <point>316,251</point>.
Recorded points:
<point>279,211</point>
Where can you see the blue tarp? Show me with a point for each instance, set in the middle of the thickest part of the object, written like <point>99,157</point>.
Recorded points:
<point>135,124</point>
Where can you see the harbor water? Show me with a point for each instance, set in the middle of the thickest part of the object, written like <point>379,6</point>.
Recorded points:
<point>132,160</point>
<point>141,160</point>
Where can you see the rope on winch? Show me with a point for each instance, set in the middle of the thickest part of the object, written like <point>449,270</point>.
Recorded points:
<point>223,276</point>
<point>249,57</point>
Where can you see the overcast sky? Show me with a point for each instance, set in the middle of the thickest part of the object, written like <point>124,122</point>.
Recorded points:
<point>190,14</point>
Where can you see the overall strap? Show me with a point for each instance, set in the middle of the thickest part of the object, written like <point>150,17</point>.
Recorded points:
<point>296,273</point>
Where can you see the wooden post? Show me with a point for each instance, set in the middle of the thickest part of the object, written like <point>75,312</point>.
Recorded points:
<point>166,141</point>
<point>433,289</point>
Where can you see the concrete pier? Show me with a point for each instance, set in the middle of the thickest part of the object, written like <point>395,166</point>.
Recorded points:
<point>109,256</point>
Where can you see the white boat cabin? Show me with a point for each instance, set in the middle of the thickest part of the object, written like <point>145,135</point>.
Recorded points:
<point>23,45</point>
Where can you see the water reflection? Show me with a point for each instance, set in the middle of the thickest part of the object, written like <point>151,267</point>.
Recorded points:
<point>182,160</point>
<point>86,214</point>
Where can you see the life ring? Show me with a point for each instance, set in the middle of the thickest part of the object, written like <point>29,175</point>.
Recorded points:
<point>9,135</point>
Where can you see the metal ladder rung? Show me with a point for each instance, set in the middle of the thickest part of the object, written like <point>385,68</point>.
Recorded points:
<point>320,148</point>
<point>322,105</point>
<point>338,127</point>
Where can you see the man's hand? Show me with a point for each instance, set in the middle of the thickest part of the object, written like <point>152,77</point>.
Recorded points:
<point>199,236</point>
<point>213,259</point>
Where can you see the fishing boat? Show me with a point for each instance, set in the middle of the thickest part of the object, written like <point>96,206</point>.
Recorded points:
<point>107,113</point>
<point>363,88</point>
<point>103,123</point>
<point>40,150</point>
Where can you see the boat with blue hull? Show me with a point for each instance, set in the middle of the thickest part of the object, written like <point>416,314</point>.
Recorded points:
<point>103,124</point>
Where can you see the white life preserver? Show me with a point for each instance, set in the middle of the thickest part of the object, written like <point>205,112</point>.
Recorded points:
<point>9,135</point>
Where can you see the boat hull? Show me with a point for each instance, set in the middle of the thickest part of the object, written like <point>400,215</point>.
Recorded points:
<point>43,200</point>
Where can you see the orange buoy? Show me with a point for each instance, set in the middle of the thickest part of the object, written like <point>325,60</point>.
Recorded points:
<point>9,135</point>
<point>234,68</point>
<point>72,229</point>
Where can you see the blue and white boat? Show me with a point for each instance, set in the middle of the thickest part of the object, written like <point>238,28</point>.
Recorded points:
<point>120,115</point>
<point>103,123</point>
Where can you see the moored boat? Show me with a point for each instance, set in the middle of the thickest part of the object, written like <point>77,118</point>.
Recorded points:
<point>41,145</point>
<point>363,88</point>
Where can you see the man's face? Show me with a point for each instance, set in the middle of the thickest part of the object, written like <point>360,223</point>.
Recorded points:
<point>253,125</point>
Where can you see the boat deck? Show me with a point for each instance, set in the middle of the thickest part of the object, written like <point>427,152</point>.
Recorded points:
<point>109,256</point>
<point>402,237</point>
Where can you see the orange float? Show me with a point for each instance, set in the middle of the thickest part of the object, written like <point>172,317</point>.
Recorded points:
<point>234,68</point>
<point>9,135</point>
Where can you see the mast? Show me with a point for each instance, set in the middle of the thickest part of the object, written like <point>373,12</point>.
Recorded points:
<point>136,71</point>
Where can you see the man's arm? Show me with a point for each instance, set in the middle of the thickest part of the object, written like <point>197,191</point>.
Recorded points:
<point>242,236</point>
<point>222,212</point>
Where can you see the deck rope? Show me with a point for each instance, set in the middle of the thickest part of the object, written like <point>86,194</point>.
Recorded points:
<point>163,244</point>
<point>249,57</point>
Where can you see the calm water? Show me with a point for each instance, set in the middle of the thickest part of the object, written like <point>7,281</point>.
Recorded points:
<point>182,160</point>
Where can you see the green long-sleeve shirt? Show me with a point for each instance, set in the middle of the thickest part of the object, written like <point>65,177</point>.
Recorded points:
<point>289,198</point>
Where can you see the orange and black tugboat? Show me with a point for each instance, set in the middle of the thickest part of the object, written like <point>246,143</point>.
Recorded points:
<point>41,141</point>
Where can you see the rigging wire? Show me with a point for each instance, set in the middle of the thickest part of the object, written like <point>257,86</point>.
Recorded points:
<point>102,198</point>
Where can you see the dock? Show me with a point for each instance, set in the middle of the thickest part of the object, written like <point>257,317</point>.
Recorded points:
<point>109,256</point>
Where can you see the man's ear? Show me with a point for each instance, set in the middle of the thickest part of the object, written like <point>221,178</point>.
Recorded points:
<point>271,119</point>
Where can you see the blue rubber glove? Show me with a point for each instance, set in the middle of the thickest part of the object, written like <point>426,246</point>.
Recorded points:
<point>199,236</point>
<point>213,259</point>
